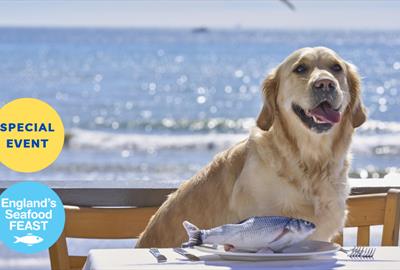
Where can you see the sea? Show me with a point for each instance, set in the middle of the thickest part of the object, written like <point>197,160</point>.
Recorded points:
<point>153,106</point>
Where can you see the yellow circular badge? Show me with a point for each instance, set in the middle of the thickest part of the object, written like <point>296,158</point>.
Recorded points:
<point>31,135</point>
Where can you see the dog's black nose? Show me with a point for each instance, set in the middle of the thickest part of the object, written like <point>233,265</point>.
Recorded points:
<point>324,85</point>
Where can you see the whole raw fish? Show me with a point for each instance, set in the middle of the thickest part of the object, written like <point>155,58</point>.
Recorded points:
<point>254,234</point>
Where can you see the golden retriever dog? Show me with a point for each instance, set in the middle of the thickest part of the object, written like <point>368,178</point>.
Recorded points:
<point>294,163</point>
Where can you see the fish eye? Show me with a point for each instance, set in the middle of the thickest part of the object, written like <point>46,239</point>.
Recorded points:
<point>337,68</point>
<point>300,69</point>
<point>307,222</point>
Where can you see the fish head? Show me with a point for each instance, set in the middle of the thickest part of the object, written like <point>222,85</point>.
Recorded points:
<point>296,230</point>
<point>301,226</point>
<point>38,239</point>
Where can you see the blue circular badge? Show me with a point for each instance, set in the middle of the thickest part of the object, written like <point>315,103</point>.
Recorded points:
<point>32,217</point>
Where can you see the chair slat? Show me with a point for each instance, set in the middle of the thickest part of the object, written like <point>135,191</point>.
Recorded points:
<point>366,210</point>
<point>390,234</point>
<point>77,262</point>
<point>107,223</point>
<point>363,236</point>
<point>58,254</point>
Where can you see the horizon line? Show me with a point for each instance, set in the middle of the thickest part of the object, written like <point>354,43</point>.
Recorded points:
<point>207,28</point>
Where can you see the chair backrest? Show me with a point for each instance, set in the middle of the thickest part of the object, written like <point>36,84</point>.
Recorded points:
<point>96,223</point>
<point>375,209</point>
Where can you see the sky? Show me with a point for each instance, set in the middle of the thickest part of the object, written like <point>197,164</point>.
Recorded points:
<point>268,14</point>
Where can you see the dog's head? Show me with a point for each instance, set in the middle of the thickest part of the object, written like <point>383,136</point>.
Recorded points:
<point>314,89</point>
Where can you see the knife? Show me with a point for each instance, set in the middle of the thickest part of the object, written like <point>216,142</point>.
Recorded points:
<point>160,258</point>
<point>186,254</point>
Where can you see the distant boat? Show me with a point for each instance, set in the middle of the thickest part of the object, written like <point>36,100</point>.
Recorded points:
<point>200,30</point>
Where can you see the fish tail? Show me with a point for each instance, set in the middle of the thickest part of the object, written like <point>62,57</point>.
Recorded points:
<point>17,239</point>
<point>194,234</point>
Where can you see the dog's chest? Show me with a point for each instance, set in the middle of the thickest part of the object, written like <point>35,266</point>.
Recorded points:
<point>273,195</point>
<point>260,191</point>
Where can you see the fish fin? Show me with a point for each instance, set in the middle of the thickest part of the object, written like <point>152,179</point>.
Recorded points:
<point>244,220</point>
<point>17,239</point>
<point>285,231</point>
<point>194,234</point>
<point>229,247</point>
<point>279,242</point>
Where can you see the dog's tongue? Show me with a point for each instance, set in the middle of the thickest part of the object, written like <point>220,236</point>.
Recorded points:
<point>325,113</point>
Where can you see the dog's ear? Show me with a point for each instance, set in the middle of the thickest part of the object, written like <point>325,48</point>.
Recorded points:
<point>269,91</point>
<point>359,113</point>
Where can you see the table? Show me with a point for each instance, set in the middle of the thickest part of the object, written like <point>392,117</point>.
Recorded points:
<point>130,259</point>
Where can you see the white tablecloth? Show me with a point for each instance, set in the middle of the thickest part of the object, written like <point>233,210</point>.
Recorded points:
<point>130,259</point>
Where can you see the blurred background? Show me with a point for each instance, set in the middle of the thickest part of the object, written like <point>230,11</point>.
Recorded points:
<point>150,91</point>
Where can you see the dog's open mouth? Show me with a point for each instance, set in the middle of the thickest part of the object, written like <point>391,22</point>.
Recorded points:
<point>320,119</point>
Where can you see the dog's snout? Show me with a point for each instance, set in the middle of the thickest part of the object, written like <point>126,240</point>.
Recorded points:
<point>325,85</point>
<point>325,89</point>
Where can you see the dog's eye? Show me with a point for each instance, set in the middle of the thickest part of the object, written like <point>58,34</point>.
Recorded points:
<point>336,68</point>
<point>300,69</point>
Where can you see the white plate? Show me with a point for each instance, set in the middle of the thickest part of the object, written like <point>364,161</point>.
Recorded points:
<point>302,250</point>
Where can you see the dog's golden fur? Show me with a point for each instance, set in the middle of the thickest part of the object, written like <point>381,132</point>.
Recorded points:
<point>283,168</point>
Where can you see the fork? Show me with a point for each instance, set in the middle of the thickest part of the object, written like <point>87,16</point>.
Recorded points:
<point>186,254</point>
<point>360,252</point>
<point>156,253</point>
